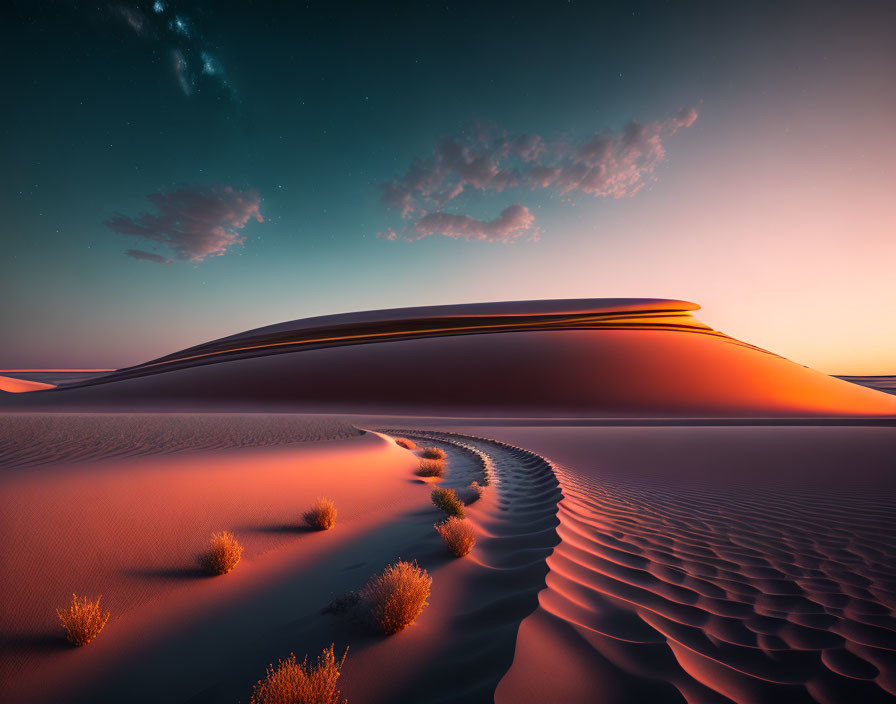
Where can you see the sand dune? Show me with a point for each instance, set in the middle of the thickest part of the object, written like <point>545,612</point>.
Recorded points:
<point>887,384</point>
<point>760,570</point>
<point>13,385</point>
<point>589,358</point>
<point>212,638</point>
<point>701,564</point>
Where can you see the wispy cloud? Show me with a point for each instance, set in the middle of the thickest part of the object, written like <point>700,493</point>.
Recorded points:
<point>486,160</point>
<point>513,222</point>
<point>193,222</point>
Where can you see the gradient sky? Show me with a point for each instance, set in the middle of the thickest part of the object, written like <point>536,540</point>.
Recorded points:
<point>176,172</point>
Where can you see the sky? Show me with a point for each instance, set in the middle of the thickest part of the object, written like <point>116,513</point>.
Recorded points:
<point>175,172</point>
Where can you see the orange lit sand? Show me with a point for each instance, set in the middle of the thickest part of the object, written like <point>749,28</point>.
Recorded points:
<point>750,562</point>
<point>18,386</point>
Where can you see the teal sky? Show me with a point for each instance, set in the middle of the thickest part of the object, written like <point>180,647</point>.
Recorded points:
<point>758,182</point>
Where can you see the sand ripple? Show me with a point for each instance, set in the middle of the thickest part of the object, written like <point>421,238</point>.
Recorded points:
<point>709,594</point>
<point>33,439</point>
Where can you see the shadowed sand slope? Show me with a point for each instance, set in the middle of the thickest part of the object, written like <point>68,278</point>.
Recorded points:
<point>178,636</point>
<point>715,564</point>
<point>628,357</point>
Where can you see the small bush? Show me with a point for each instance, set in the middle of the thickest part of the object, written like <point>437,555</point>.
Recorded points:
<point>396,596</point>
<point>294,683</point>
<point>458,535</point>
<point>431,468</point>
<point>447,500</point>
<point>83,620</point>
<point>321,516</point>
<point>433,453</point>
<point>472,493</point>
<point>224,553</point>
<point>406,444</point>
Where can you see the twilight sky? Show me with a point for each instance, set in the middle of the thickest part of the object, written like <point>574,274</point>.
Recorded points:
<point>175,172</point>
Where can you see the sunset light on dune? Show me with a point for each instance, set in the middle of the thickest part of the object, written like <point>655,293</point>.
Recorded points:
<point>448,353</point>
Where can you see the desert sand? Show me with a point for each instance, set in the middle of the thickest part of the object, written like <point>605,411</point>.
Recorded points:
<point>672,515</point>
<point>588,358</point>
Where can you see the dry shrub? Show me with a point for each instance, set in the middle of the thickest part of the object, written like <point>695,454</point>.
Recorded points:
<point>433,453</point>
<point>83,620</point>
<point>224,553</point>
<point>458,535</point>
<point>294,683</point>
<point>431,468</point>
<point>322,515</point>
<point>447,500</point>
<point>406,444</point>
<point>396,596</point>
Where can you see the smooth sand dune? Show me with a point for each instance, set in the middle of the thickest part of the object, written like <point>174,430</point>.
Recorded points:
<point>635,363</point>
<point>13,385</point>
<point>715,564</point>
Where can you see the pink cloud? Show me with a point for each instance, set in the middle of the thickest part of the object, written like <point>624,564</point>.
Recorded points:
<point>194,222</point>
<point>486,160</point>
<point>510,224</point>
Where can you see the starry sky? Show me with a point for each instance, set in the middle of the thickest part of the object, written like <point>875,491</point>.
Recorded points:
<point>175,172</point>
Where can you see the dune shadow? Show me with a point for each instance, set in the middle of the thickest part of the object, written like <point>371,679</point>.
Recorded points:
<point>281,529</point>
<point>45,643</point>
<point>167,573</point>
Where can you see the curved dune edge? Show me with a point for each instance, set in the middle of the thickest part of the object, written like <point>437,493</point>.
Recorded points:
<point>22,386</point>
<point>659,594</point>
<point>168,619</point>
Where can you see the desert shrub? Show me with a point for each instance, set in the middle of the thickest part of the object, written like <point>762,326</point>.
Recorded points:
<point>431,468</point>
<point>458,535</point>
<point>406,444</point>
<point>433,453</point>
<point>294,683</point>
<point>322,515</point>
<point>472,493</point>
<point>83,620</point>
<point>447,500</point>
<point>223,554</point>
<point>395,597</point>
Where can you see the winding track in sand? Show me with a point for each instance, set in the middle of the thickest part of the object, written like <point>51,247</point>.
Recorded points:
<point>702,595</point>
<point>634,588</point>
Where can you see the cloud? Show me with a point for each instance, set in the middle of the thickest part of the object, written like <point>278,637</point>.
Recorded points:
<point>194,222</point>
<point>147,256</point>
<point>510,224</point>
<point>485,160</point>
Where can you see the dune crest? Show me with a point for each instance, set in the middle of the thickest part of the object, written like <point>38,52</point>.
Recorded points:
<point>579,358</point>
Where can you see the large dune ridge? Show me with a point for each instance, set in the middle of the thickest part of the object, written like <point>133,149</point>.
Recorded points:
<point>574,358</point>
<point>672,514</point>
